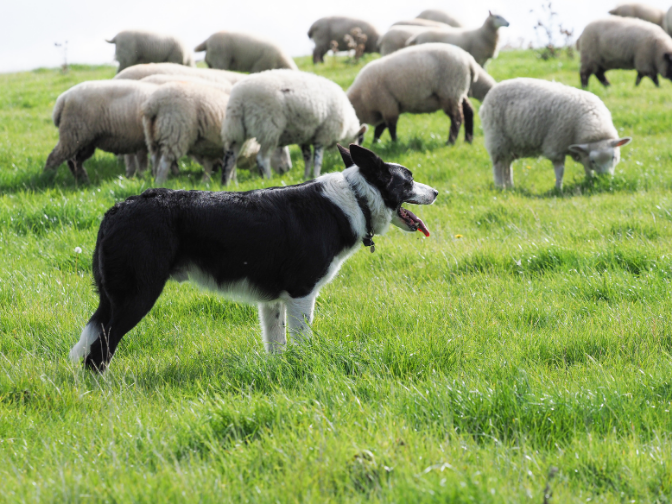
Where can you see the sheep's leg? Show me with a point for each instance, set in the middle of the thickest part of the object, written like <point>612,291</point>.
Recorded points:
<point>379,131</point>
<point>208,168</point>
<point>307,159</point>
<point>602,78</point>
<point>468,112</point>
<point>272,317</point>
<point>317,159</point>
<point>131,165</point>
<point>141,160</point>
<point>503,173</point>
<point>229,165</point>
<point>585,76</point>
<point>318,55</point>
<point>264,162</point>
<point>163,170</point>
<point>559,168</point>
<point>77,166</point>
<point>392,126</point>
<point>654,78</point>
<point>454,112</point>
<point>156,158</point>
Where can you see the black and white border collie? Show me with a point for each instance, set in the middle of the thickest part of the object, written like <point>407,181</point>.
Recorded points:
<point>275,247</point>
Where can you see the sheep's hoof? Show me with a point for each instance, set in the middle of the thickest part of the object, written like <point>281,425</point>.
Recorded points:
<point>450,141</point>
<point>469,139</point>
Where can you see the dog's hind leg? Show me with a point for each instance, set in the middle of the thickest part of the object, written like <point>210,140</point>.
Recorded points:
<point>92,330</point>
<point>300,316</point>
<point>272,317</point>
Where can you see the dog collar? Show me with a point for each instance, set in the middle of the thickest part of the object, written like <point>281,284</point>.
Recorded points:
<point>368,238</point>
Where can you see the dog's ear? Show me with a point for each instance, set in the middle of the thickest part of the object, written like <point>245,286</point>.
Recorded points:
<point>368,161</point>
<point>345,154</point>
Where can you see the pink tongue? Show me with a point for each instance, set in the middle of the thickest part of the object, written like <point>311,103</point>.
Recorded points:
<point>418,221</point>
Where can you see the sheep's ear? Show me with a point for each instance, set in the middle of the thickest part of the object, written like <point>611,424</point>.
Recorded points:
<point>345,154</point>
<point>368,161</point>
<point>621,141</point>
<point>489,13</point>
<point>579,148</point>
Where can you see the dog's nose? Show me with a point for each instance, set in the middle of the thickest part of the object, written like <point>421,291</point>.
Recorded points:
<point>436,193</point>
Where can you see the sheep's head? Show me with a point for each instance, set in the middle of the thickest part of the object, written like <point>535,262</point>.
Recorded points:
<point>665,66</point>
<point>599,157</point>
<point>496,21</point>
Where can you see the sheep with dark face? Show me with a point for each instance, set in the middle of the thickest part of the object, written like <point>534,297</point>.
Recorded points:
<point>627,44</point>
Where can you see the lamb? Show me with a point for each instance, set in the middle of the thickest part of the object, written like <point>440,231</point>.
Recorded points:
<point>531,117</point>
<point>102,115</point>
<point>326,29</point>
<point>640,11</point>
<point>137,72</point>
<point>243,52</point>
<point>396,37</point>
<point>481,43</point>
<point>185,118</point>
<point>135,46</point>
<point>624,43</point>
<point>418,80</point>
<point>440,16</point>
<point>283,107</point>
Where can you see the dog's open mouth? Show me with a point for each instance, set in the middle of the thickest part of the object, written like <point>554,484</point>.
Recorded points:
<point>414,223</point>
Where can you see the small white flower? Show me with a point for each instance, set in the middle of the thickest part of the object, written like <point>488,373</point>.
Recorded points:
<point>78,250</point>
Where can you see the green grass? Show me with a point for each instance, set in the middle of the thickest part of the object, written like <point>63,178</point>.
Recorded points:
<point>532,330</point>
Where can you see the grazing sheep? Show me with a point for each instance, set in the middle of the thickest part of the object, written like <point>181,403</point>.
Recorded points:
<point>533,117</point>
<point>440,16</point>
<point>417,80</point>
<point>483,83</point>
<point>396,37</point>
<point>283,107</point>
<point>326,29</point>
<point>244,53</point>
<point>102,115</point>
<point>185,118</point>
<point>135,46</point>
<point>624,43</point>
<point>137,72</point>
<point>640,11</point>
<point>481,43</point>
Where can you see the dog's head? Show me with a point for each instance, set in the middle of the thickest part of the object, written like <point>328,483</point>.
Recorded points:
<point>395,184</point>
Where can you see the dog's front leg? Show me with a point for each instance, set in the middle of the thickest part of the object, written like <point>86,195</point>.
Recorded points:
<point>300,316</point>
<point>272,319</point>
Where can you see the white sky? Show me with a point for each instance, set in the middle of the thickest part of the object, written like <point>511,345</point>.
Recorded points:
<point>29,28</point>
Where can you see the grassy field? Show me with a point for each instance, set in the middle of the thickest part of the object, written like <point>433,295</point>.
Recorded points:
<point>529,335</point>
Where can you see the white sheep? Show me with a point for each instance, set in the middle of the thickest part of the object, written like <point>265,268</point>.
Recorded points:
<point>481,43</point>
<point>284,107</point>
<point>137,46</point>
<point>440,16</point>
<point>243,52</point>
<point>326,29</point>
<point>102,115</point>
<point>137,72</point>
<point>624,43</point>
<point>396,37</point>
<point>417,80</point>
<point>533,117</point>
<point>161,79</point>
<point>640,11</point>
<point>427,23</point>
<point>185,118</point>
<point>667,21</point>
<point>481,85</point>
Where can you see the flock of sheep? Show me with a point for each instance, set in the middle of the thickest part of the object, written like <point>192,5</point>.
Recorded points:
<point>160,105</point>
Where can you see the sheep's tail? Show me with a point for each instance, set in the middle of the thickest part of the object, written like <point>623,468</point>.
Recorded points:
<point>113,41</point>
<point>578,48</point>
<point>233,127</point>
<point>311,31</point>
<point>150,110</point>
<point>58,110</point>
<point>201,47</point>
<point>475,70</point>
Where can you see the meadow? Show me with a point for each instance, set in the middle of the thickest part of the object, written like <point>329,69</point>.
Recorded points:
<point>522,350</point>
